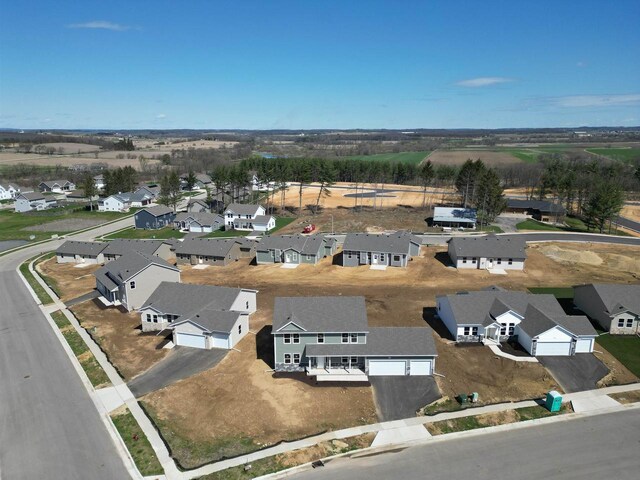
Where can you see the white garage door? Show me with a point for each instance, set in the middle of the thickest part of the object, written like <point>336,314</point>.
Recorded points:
<point>195,228</point>
<point>550,349</point>
<point>387,367</point>
<point>187,340</point>
<point>584,345</point>
<point>220,340</point>
<point>420,367</point>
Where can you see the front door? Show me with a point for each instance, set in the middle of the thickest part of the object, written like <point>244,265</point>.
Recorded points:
<point>489,263</point>
<point>320,362</point>
<point>200,260</point>
<point>287,257</point>
<point>374,259</point>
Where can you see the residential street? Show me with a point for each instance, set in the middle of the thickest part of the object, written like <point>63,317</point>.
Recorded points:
<point>603,446</point>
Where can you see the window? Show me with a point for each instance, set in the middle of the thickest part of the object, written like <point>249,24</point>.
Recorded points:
<point>629,322</point>
<point>621,323</point>
<point>396,258</point>
<point>499,261</point>
<point>349,255</point>
<point>473,260</point>
<point>132,285</point>
<point>503,329</point>
<point>511,261</point>
<point>155,319</point>
<point>239,329</point>
<point>382,257</point>
<point>296,337</point>
<point>467,330</point>
<point>345,338</point>
<point>474,331</point>
<point>321,338</point>
<point>296,358</point>
<point>287,338</point>
<point>148,317</point>
<point>354,338</point>
<point>464,259</point>
<point>247,306</point>
<point>287,358</point>
<point>344,360</point>
<point>354,360</point>
<point>512,327</point>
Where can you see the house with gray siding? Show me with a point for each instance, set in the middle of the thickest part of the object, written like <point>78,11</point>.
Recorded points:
<point>207,251</point>
<point>392,250</point>
<point>122,246</point>
<point>153,218</point>
<point>537,322</point>
<point>25,202</point>
<point>73,251</point>
<point>201,316</point>
<point>199,222</point>
<point>131,279</point>
<point>616,308</point>
<point>330,338</point>
<point>296,249</point>
<point>488,252</point>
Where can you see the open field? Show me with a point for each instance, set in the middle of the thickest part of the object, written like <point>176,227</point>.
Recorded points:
<point>10,158</point>
<point>631,211</point>
<point>67,279</point>
<point>624,154</point>
<point>71,148</point>
<point>456,158</point>
<point>138,233</point>
<point>177,144</point>
<point>401,157</point>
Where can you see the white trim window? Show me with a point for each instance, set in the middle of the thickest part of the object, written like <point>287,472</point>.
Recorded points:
<point>286,338</point>
<point>295,337</point>
<point>467,330</point>
<point>345,338</point>
<point>320,338</point>
<point>155,319</point>
<point>629,322</point>
<point>621,323</point>
<point>503,329</point>
<point>512,328</point>
<point>296,358</point>
<point>239,329</point>
<point>353,338</point>
<point>474,331</point>
<point>132,284</point>
<point>148,317</point>
<point>287,358</point>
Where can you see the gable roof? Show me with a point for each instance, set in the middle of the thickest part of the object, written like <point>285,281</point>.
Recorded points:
<point>158,210</point>
<point>205,219</point>
<point>543,206</point>
<point>211,320</point>
<point>536,322</point>
<point>243,209</point>
<point>212,247</point>
<point>73,247</point>
<point>129,265</point>
<point>577,324</point>
<point>321,314</point>
<point>380,242</point>
<point>615,298</point>
<point>489,246</point>
<point>122,246</point>
<point>455,214</point>
<point>51,183</point>
<point>306,245</point>
<point>32,196</point>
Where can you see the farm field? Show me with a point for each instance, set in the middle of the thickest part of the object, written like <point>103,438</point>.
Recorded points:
<point>404,157</point>
<point>627,155</point>
<point>139,233</point>
<point>456,158</point>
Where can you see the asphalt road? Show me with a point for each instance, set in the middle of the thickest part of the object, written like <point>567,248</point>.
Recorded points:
<point>630,224</point>
<point>49,426</point>
<point>401,397</point>
<point>603,446</point>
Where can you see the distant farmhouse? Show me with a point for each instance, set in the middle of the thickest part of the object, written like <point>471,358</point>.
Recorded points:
<point>394,250</point>
<point>488,252</point>
<point>616,308</point>
<point>541,210</point>
<point>455,217</point>
<point>294,249</point>
<point>8,192</point>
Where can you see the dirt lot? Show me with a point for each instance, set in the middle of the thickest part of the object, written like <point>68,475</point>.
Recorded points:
<point>70,281</point>
<point>613,257</point>
<point>632,212</point>
<point>458,157</point>
<point>66,225</point>
<point>119,335</point>
<point>10,158</point>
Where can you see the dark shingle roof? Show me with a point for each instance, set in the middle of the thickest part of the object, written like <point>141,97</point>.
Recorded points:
<point>616,298</point>
<point>212,320</point>
<point>121,246</point>
<point>158,210</point>
<point>576,324</point>
<point>205,219</point>
<point>321,314</point>
<point>185,299</point>
<point>212,247</point>
<point>132,263</point>
<point>243,209</point>
<point>489,246</point>
<point>31,196</point>
<point>73,247</point>
<point>306,245</point>
<point>379,242</point>
<point>542,205</point>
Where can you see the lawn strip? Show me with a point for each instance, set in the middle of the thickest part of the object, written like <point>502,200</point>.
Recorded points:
<point>625,348</point>
<point>626,397</point>
<point>41,293</point>
<point>137,443</point>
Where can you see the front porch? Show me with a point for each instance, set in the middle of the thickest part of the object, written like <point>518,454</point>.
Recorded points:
<point>337,369</point>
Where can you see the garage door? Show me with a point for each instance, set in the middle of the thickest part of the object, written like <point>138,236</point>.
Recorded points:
<point>548,348</point>
<point>420,367</point>
<point>387,367</point>
<point>187,340</point>
<point>220,340</point>
<point>584,345</point>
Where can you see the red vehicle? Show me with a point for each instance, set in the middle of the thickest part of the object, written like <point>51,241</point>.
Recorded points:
<point>309,228</point>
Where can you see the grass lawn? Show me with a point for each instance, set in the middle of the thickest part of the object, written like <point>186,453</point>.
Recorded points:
<point>404,157</point>
<point>226,233</point>
<point>282,222</point>
<point>40,291</point>
<point>138,233</point>
<point>526,155</point>
<point>137,444</point>
<point>12,224</point>
<point>531,224</point>
<point>626,348</point>
<point>573,225</point>
<point>491,229</point>
<point>627,155</point>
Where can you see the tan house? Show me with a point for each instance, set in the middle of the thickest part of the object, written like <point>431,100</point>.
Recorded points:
<point>207,251</point>
<point>616,308</point>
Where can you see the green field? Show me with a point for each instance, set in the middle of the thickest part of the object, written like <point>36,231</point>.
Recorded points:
<point>627,155</point>
<point>138,233</point>
<point>404,157</point>
<point>626,348</point>
<point>12,224</point>
<point>573,225</point>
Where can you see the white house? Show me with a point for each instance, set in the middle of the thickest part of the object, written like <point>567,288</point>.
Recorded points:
<point>488,252</point>
<point>25,202</point>
<point>57,186</point>
<point>260,223</point>
<point>99,182</point>
<point>8,192</point>
<point>114,203</point>
<point>258,185</point>
<point>240,211</point>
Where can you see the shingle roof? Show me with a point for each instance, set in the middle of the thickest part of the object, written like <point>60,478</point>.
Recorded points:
<point>489,246</point>
<point>212,247</point>
<point>121,246</point>
<point>541,205</point>
<point>383,342</point>
<point>51,183</point>
<point>616,298</point>
<point>243,209</point>
<point>379,242</point>
<point>212,320</point>
<point>202,218</point>
<point>31,196</point>
<point>73,247</point>
<point>321,314</point>
<point>125,267</point>
<point>158,210</point>
<point>576,324</point>
<point>262,219</point>
<point>536,322</point>
<point>306,245</point>
<point>457,214</point>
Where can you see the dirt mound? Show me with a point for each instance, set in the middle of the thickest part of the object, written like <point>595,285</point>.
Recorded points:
<point>623,262</point>
<point>571,256</point>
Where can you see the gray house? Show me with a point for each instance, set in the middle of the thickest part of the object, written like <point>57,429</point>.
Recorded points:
<point>198,222</point>
<point>201,316</point>
<point>207,251</point>
<point>488,252</point>
<point>294,249</point>
<point>542,210</point>
<point>57,186</point>
<point>123,246</point>
<point>152,218</point>
<point>73,251</point>
<point>25,202</point>
<point>616,308</point>
<point>131,279</point>
<point>495,315</point>
<point>394,250</point>
<point>330,338</point>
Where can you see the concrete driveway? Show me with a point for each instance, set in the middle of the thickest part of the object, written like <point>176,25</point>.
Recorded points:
<point>401,397</point>
<point>577,373</point>
<point>181,363</point>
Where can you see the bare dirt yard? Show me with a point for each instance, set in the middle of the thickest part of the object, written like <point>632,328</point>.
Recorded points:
<point>119,335</point>
<point>66,225</point>
<point>69,280</point>
<point>631,211</point>
<point>458,157</point>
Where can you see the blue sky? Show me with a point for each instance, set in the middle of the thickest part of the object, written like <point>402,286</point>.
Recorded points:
<point>319,64</point>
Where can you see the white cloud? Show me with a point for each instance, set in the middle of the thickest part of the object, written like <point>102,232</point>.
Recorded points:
<point>100,25</point>
<point>579,101</point>
<point>581,64</point>
<point>160,116</point>
<point>483,81</point>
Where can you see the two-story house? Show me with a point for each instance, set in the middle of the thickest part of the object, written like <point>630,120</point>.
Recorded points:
<point>330,338</point>
<point>241,216</point>
<point>25,202</point>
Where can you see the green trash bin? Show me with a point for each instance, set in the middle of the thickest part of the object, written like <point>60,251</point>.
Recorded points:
<point>463,398</point>
<point>554,401</point>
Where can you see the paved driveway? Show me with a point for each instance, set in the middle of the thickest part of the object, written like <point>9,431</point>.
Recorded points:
<point>401,397</point>
<point>181,363</point>
<point>577,373</point>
